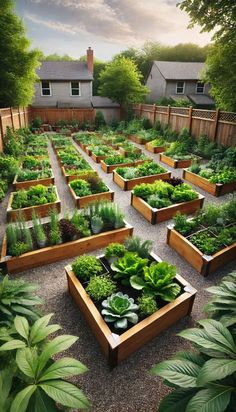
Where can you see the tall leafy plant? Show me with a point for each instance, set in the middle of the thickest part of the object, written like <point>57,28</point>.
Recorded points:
<point>35,382</point>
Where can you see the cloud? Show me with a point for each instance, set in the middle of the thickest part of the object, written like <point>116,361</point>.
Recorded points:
<point>126,22</point>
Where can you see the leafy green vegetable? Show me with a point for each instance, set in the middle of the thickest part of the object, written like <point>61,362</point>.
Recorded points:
<point>120,309</point>
<point>127,266</point>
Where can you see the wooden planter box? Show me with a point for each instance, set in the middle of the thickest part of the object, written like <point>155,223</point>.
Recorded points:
<point>154,149</point>
<point>126,184</point>
<point>80,202</point>
<point>109,168</point>
<point>87,151</point>
<point>176,164</point>
<point>41,210</point>
<point>136,139</point>
<point>202,263</point>
<point>115,347</point>
<point>124,152</point>
<point>154,215</point>
<point>47,181</point>
<point>63,251</point>
<point>98,159</point>
<point>215,189</point>
<point>69,178</point>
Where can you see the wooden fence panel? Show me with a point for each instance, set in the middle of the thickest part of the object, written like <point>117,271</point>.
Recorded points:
<point>53,115</point>
<point>13,118</point>
<point>218,126</point>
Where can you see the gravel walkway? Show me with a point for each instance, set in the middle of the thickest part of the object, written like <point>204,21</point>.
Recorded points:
<point>129,387</point>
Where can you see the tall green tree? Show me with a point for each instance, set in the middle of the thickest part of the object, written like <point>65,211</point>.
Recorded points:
<point>121,81</point>
<point>221,73</point>
<point>211,14</point>
<point>17,62</point>
<point>219,16</point>
<point>57,57</point>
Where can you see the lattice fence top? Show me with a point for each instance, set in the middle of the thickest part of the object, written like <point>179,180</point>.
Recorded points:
<point>179,110</point>
<point>204,114</point>
<point>227,117</point>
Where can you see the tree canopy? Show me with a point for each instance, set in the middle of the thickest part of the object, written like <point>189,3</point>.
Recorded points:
<point>121,81</point>
<point>18,63</point>
<point>212,14</point>
<point>57,57</point>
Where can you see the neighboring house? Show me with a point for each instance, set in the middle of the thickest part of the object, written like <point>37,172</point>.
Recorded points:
<point>178,80</point>
<point>69,84</point>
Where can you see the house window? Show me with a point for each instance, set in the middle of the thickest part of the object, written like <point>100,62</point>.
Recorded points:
<point>46,89</point>
<point>75,89</point>
<point>200,87</point>
<point>180,87</point>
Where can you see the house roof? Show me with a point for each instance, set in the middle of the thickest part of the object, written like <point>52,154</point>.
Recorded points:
<point>201,99</point>
<point>98,101</point>
<point>62,70</point>
<point>180,70</point>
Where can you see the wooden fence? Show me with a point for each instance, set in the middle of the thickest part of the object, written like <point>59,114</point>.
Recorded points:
<point>13,118</point>
<point>52,115</point>
<point>217,125</point>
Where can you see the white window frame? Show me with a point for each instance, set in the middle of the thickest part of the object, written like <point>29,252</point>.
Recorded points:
<point>203,91</point>
<point>50,88</point>
<point>180,81</point>
<point>75,95</point>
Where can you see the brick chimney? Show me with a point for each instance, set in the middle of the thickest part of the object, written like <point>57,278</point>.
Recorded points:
<point>90,59</point>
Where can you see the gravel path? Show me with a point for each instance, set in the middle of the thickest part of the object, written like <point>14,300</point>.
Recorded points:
<point>129,387</point>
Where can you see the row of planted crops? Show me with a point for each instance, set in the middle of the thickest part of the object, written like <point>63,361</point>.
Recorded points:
<point>128,295</point>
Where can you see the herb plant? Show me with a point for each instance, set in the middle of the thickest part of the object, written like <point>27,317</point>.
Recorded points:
<point>84,267</point>
<point>100,287</point>
<point>147,305</point>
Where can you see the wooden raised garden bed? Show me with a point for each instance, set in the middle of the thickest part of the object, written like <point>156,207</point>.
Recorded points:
<point>202,263</point>
<point>124,152</point>
<point>115,347</point>
<point>69,178</point>
<point>176,164</point>
<point>154,215</point>
<point>154,149</point>
<point>126,184</point>
<point>136,139</point>
<point>80,202</point>
<point>88,151</point>
<point>41,210</point>
<point>215,189</point>
<point>63,251</point>
<point>47,181</point>
<point>109,168</point>
<point>98,159</point>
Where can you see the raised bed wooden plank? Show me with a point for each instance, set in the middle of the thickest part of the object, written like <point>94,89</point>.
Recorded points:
<point>154,215</point>
<point>81,202</point>
<point>215,189</point>
<point>109,168</point>
<point>126,184</point>
<point>176,164</point>
<point>204,264</point>
<point>154,149</point>
<point>63,251</point>
<point>47,181</point>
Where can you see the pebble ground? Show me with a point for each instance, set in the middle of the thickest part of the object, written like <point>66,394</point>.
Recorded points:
<point>129,387</point>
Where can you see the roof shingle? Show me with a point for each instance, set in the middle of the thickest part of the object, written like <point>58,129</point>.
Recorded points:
<point>63,70</point>
<point>180,70</point>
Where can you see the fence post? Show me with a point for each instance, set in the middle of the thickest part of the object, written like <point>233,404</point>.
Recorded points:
<point>154,114</point>
<point>19,117</point>
<point>24,112</point>
<point>190,118</point>
<point>168,114</point>
<point>140,110</point>
<point>216,124</point>
<point>12,119</point>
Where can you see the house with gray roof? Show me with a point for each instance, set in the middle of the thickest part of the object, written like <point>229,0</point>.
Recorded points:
<point>178,80</point>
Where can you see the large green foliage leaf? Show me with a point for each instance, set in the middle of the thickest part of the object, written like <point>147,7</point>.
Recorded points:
<point>41,402</point>
<point>219,333</point>
<point>63,368</point>
<point>177,400</point>
<point>58,344</point>
<point>13,344</point>
<point>27,361</point>
<point>6,376</point>
<point>66,394</point>
<point>209,400</point>
<point>216,369</point>
<point>22,326</point>
<point>182,373</point>
<point>21,400</point>
<point>39,325</point>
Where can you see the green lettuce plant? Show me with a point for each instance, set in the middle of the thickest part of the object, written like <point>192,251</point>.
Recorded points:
<point>128,265</point>
<point>120,309</point>
<point>157,280</point>
<point>33,381</point>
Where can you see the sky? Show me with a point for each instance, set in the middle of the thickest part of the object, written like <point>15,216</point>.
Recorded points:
<point>108,26</point>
